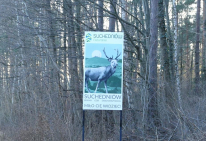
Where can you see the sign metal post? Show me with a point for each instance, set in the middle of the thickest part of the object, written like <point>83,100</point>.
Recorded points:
<point>83,118</point>
<point>120,132</point>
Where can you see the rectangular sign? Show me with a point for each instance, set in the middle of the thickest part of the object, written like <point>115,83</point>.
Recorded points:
<point>103,71</point>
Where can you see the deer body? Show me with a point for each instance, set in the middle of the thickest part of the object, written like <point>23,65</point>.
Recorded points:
<point>102,73</point>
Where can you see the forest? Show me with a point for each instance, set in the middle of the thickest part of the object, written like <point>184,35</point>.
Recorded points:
<point>42,68</point>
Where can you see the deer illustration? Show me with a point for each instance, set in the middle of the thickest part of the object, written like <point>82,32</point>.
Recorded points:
<point>101,73</point>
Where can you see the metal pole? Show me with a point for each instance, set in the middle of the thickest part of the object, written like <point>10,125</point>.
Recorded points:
<point>120,131</point>
<point>83,117</point>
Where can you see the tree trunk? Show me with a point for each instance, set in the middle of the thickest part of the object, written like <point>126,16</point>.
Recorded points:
<point>197,50</point>
<point>72,52</point>
<point>204,43</point>
<point>65,103</point>
<point>100,15</point>
<point>164,53</point>
<point>178,87</point>
<point>144,63</point>
<point>109,119</point>
<point>112,18</point>
<point>147,21</point>
<point>153,116</point>
<point>170,42</point>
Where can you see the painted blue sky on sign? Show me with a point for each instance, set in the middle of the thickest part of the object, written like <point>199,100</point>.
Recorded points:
<point>110,49</point>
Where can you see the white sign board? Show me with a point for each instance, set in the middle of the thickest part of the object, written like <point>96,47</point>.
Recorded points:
<point>103,71</point>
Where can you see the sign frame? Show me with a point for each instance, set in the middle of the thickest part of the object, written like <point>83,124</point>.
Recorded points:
<point>99,52</point>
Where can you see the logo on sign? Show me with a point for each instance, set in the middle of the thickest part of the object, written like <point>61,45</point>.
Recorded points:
<point>88,37</point>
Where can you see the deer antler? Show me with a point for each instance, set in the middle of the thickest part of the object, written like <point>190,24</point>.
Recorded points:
<point>118,54</point>
<point>106,54</point>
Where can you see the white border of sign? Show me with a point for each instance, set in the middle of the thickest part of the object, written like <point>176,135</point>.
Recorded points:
<point>103,101</point>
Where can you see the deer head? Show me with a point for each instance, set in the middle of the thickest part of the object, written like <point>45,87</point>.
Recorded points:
<point>112,61</point>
